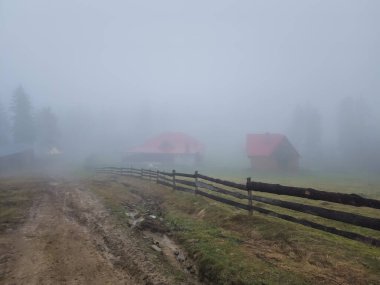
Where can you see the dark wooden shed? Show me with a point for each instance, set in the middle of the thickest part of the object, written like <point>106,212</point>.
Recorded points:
<point>271,152</point>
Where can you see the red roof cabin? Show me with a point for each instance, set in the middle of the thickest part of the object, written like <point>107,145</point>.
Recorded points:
<point>170,148</point>
<point>271,152</point>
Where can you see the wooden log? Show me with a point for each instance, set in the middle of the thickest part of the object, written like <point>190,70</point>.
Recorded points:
<point>135,171</point>
<point>164,183</point>
<point>149,171</point>
<point>184,174</point>
<point>196,182</point>
<point>185,182</point>
<point>223,182</point>
<point>145,177</point>
<point>184,189</point>
<point>173,174</point>
<point>309,193</point>
<point>223,200</point>
<point>349,218</point>
<point>164,178</point>
<point>166,173</point>
<point>249,196</point>
<point>220,190</point>
<point>110,167</point>
<point>346,234</point>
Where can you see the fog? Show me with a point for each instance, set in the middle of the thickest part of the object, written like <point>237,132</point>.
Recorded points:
<point>118,72</point>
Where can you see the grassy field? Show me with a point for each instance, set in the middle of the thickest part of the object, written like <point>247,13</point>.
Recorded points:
<point>231,247</point>
<point>16,197</point>
<point>228,245</point>
<point>366,184</point>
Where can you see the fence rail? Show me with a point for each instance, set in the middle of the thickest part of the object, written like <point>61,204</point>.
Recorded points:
<point>223,191</point>
<point>310,193</point>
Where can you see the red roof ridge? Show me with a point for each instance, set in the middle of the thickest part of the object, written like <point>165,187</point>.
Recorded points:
<point>263,144</point>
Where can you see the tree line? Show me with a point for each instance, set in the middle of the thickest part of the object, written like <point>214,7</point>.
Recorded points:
<point>23,125</point>
<point>355,128</point>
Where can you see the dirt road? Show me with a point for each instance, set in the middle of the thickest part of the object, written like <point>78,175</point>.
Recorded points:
<point>69,238</point>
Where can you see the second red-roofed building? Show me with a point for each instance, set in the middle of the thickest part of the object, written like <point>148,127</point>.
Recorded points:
<point>271,152</point>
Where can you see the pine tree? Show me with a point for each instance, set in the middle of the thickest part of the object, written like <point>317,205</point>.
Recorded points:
<point>22,119</point>
<point>4,127</point>
<point>354,132</point>
<point>47,128</point>
<point>306,129</point>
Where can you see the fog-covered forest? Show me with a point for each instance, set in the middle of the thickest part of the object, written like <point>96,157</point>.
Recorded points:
<point>98,78</point>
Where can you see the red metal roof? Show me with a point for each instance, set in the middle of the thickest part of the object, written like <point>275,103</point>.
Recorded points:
<point>263,144</point>
<point>170,143</point>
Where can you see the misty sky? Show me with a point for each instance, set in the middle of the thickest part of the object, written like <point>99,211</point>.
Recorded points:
<point>191,65</point>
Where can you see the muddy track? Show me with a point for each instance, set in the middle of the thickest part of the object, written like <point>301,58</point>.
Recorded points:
<point>69,238</point>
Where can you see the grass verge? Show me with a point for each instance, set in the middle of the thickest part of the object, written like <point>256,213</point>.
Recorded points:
<point>16,197</point>
<point>231,247</point>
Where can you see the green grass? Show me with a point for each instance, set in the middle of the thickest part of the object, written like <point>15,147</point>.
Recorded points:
<point>364,184</point>
<point>16,197</point>
<point>231,247</point>
<point>219,257</point>
<point>226,229</point>
<point>364,211</point>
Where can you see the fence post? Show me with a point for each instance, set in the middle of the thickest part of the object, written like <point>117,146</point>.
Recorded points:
<point>174,186</point>
<point>249,189</point>
<point>196,182</point>
<point>142,173</point>
<point>157,177</point>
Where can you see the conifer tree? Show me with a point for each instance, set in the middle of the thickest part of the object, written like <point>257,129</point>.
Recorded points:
<point>22,119</point>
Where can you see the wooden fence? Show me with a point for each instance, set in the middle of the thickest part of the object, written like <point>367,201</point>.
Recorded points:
<point>241,196</point>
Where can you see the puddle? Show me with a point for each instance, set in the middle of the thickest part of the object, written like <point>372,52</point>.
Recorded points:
<point>150,227</point>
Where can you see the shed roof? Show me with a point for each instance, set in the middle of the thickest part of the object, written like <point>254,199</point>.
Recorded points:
<point>265,144</point>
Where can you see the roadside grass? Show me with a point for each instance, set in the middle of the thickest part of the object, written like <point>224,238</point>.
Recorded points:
<point>16,197</point>
<point>231,247</point>
<point>266,249</point>
<point>221,258</point>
